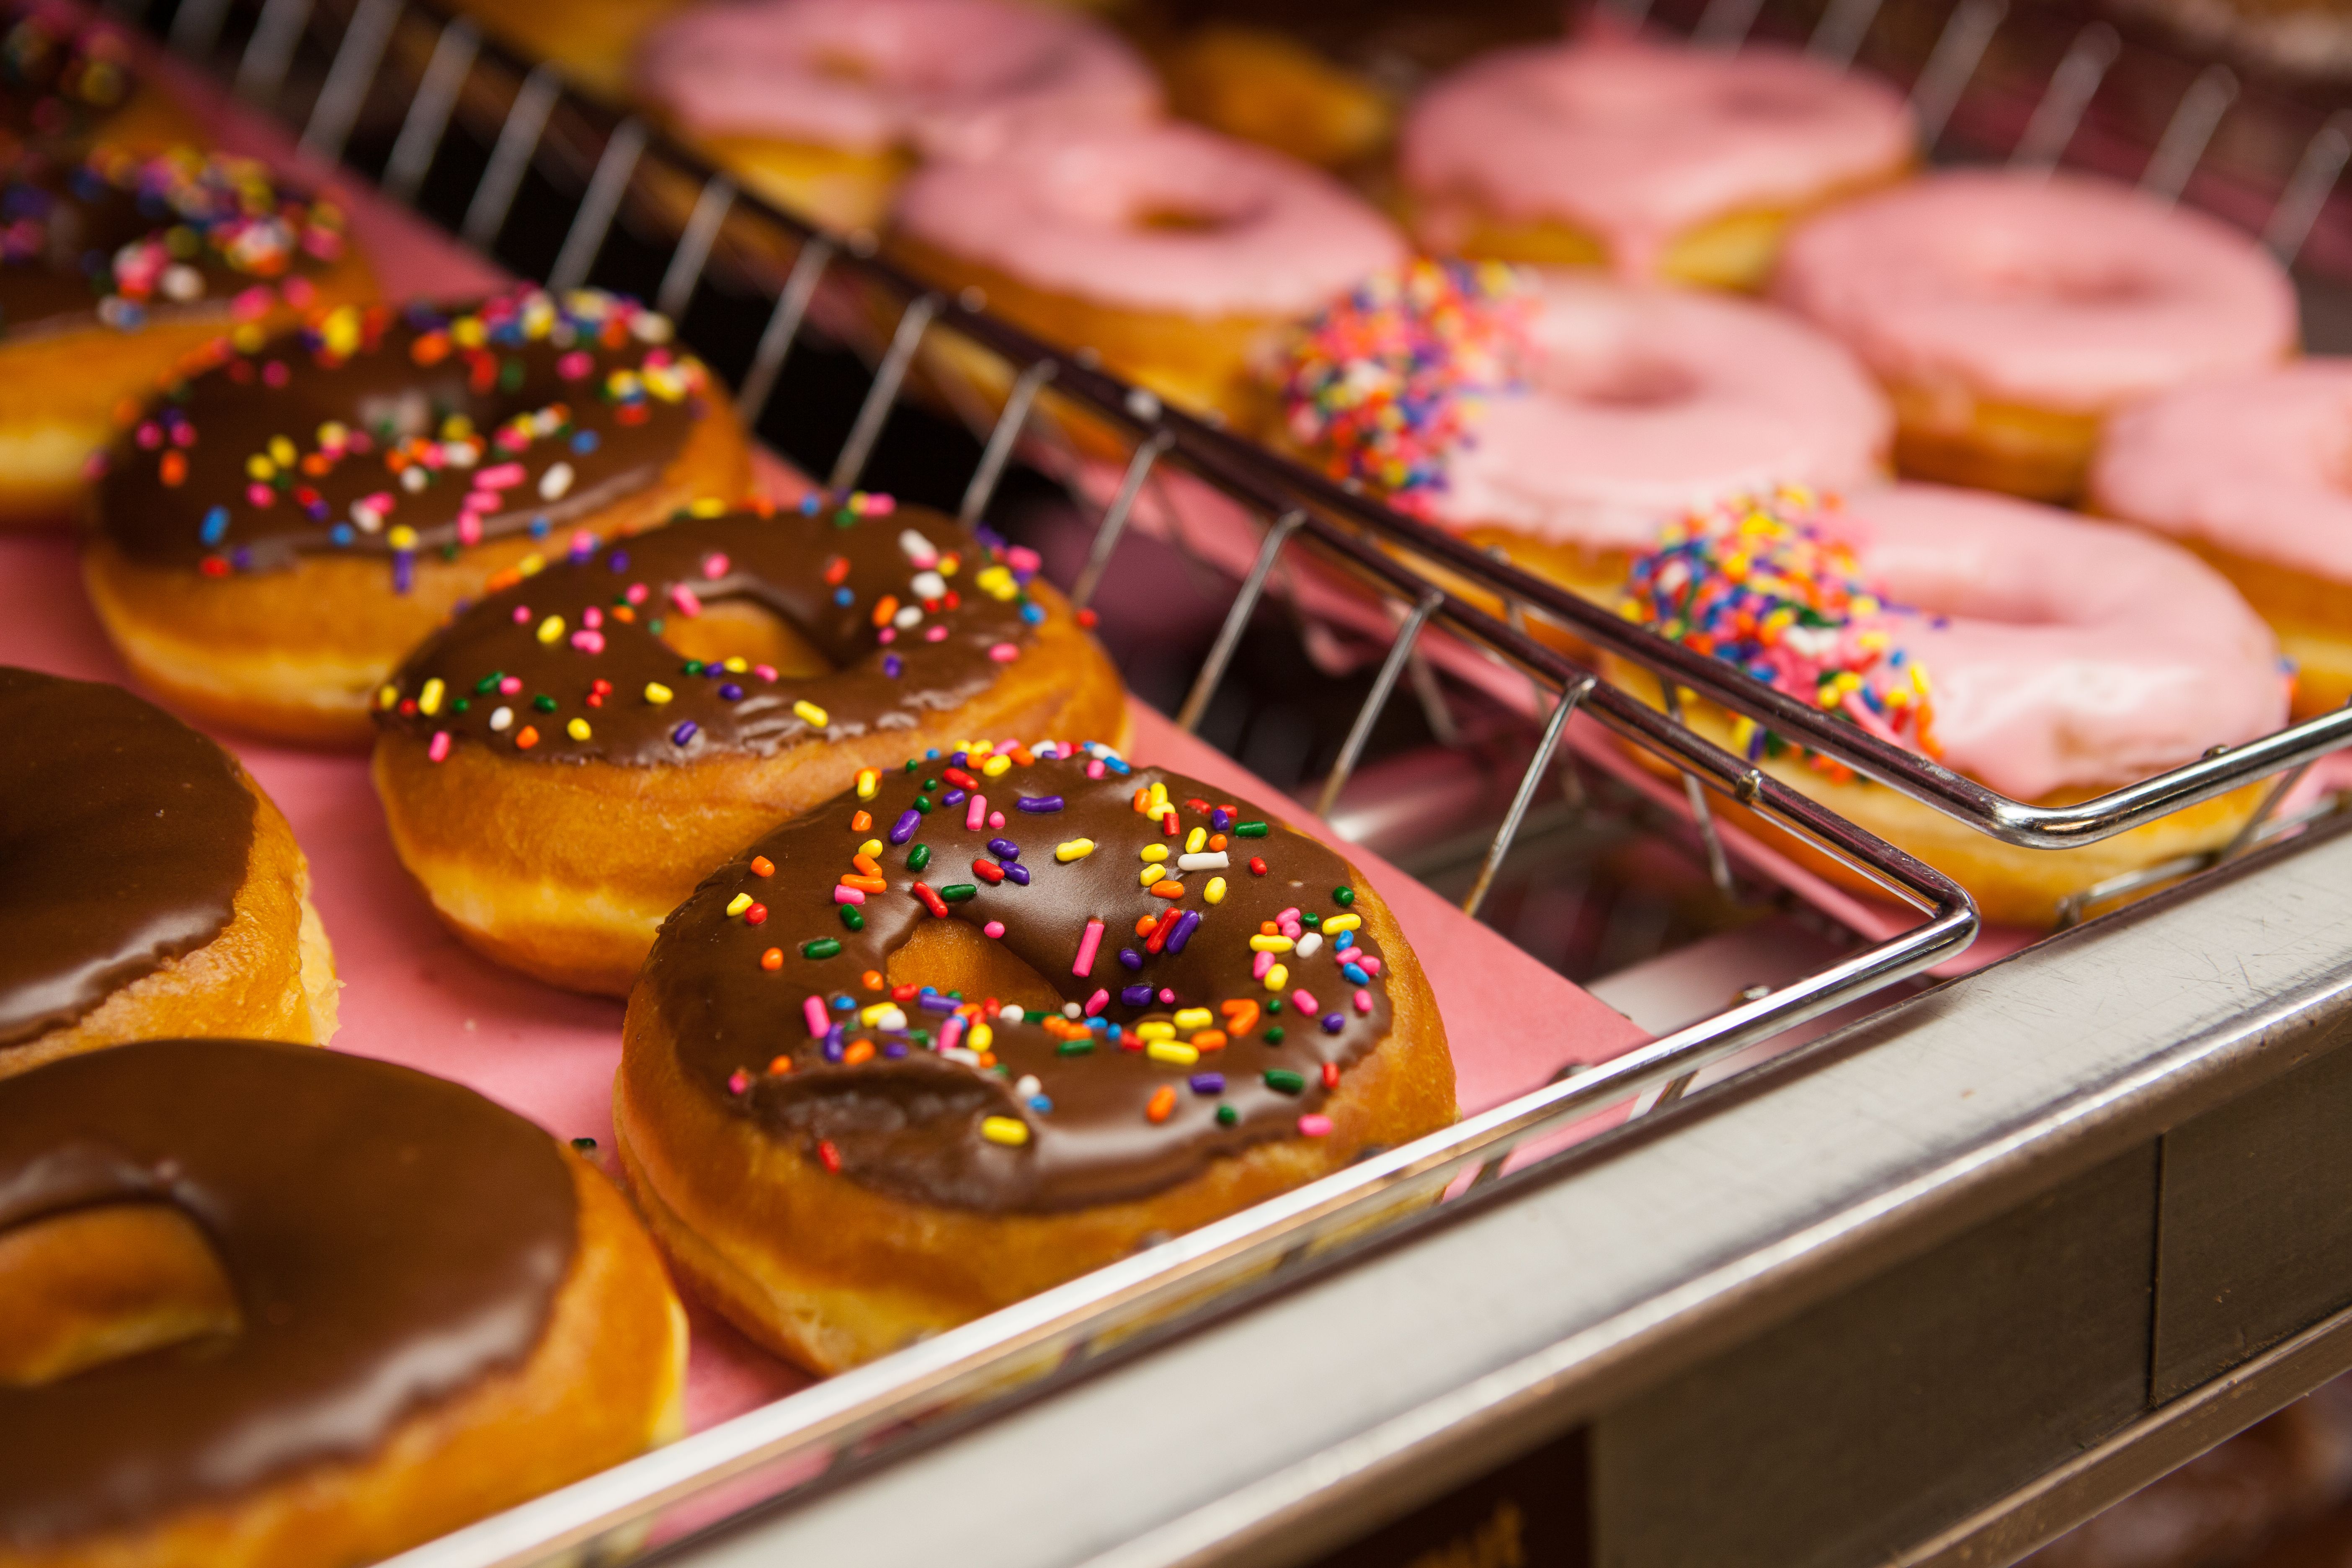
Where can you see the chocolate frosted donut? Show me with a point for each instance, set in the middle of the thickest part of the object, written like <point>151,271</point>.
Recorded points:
<point>395,1306</point>
<point>991,1020</point>
<point>291,518</point>
<point>116,265</point>
<point>150,888</point>
<point>65,78</point>
<point>563,763</point>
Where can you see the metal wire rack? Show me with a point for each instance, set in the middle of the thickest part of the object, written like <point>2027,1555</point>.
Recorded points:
<point>514,119</point>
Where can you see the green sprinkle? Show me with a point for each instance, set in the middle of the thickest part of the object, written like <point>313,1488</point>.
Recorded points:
<point>1282,1080</point>
<point>1312,921</point>
<point>923,804</point>
<point>1031,1016</point>
<point>1249,829</point>
<point>910,764</point>
<point>822,947</point>
<point>655,626</point>
<point>851,918</point>
<point>1074,1048</point>
<point>1272,1036</point>
<point>585,1145</point>
<point>482,687</point>
<point>544,703</point>
<point>1343,897</point>
<point>929,785</point>
<point>1227,1116</point>
<point>919,856</point>
<point>460,704</point>
<point>1274,1003</point>
<point>957,892</point>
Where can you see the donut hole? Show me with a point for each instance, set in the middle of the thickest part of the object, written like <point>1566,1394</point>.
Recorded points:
<point>954,956</point>
<point>2088,286</point>
<point>96,1285</point>
<point>1179,218</point>
<point>843,65</point>
<point>1629,381</point>
<point>745,629</point>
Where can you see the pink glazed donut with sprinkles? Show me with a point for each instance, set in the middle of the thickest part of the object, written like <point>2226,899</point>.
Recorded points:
<point>2009,313</point>
<point>2047,656</point>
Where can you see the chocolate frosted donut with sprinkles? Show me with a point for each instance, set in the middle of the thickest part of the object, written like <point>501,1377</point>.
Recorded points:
<point>291,516</point>
<point>563,763</point>
<point>993,1018</point>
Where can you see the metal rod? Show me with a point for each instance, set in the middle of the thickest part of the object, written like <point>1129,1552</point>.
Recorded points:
<point>2245,837</point>
<point>1361,732</point>
<point>2190,129</point>
<point>1537,765</point>
<point>693,252</point>
<point>348,78</point>
<point>875,410</point>
<point>1000,438</point>
<point>1237,617</point>
<point>783,326</point>
<point>1718,864</point>
<point>1954,59</point>
<point>1444,727</point>
<point>1843,27</point>
<point>510,157</point>
<point>428,112</point>
<point>1673,1089</point>
<point>1726,24</point>
<point>196,31</point>
<point>270,52</point>
<point>2071,87</point>
<point>1113,526</point>
<point>585,239</point>
<point>2308,188</point>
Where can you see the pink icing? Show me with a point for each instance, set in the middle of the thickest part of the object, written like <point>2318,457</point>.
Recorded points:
<point>1067,214</point>
<point>2260,465</point>
<point>2075,653</point>
<point>1637,142</point>
<point>2061,292</point>
<point>1646,402</point>
<point>949,78</point>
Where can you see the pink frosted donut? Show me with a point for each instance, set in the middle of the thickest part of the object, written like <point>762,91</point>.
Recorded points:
<point>2251,471</point>
<point>945,78</point>
<point>2010,311</point>
<point>1620,406</point>
<point>1634,146</point>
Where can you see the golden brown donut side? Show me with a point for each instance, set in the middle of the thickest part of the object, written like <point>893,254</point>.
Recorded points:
<point>270,976</point>
<point>564,871</point>
<point>233,649</point>
<point>830,1274</point>
<point>606,1382</point>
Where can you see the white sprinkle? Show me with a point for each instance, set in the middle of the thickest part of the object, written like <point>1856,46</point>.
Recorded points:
<point>414,478</point>
<point>1308,943</point>
<point>893,1018</point>
<point>501,719</point>
<point>912,615</point>
<point>650,327</point>
<point>183,282</point>
<point>1207,860</point>
<point>920,551</point>
<point>929,585</point>
<point>1011,1013</point>
<point>556,483</point>
<point>366,516</point>
<point>958,1054</point>
<point>1072,1010</point>
<point>1028,1088</point>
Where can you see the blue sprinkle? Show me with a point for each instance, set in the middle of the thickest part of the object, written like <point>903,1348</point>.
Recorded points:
<point>808,505</point>
<point>844,1003</point>
<point>891,666</point>
<point>1130,958</point>
<point>1117,766</point>
<point>729,692</point>
<point>1040,803</point>
<point>1334,1022</point>
<point>583,441</point>
<point>539,527</point>
<point>1208,1083</point>
<point>683,733</point>
<point>1017,874</point>
<point>342,534</point>
<point>1343,942</point>
<point>1136,996</point>
<point>1355,972</point>
<point>932,755</point>
<point>1004,849</point>
<point>1040,1104</point>
<point>843,597</point>
<point>216,525</point>
<point>1033,614</point>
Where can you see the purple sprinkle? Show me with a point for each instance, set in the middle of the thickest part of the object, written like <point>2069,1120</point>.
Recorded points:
<point>1334,1022</point>
<point>1185,924</point>
<point>1219,819</point>
<point>932,1002</point>
<point>618,561</point>
<point>1131,958</point>
<point>961,759</point>
<point>683,733</point>
<point>833,1052</point>
<point>1040,803</point>
<point>1004,849</point>
<point>731,692</point>
<point>1017,874</point>
<point>903,829</point>
<point>836,1035</point>
<point>404,571</point>
<point>954,797</point>
<point>894,1049</point>
<point>891,666</point>
<point>1208,1083</point>
<point>1136,996</point>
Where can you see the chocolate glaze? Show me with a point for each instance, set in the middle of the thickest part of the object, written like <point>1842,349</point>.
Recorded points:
<point>61,76</point>
<point>537,391</point>
<point>824,573</point>
<point>910,1127</point>
<point>391,1239</point>
<point>124,836</point>
<point>119,240</point>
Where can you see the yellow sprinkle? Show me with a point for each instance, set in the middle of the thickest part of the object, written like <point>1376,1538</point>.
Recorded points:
<point>656,694</point>
<point>400,536</point>
<point>387,696</point>
<point>577,728</point>
<point>708,506</point>
<point>1334,925</point>
<point>1151,874</point>
<point>995,766</point>
<point>1190,1018</point>
<point>551,628</point>
<point>1158,798</point>
<point>1075,849</point>
<point>1155,852</point>
<point>531,565</point>
<point>869,781</point>
<point>736,666</point>
<point>1276,978</point>
<point>871,846</point>
<point>259,468</point>
<point>1009,1130</point>
<point>1174,1052</point>
<point>1215,891</point>
<point>869,1016</point>
<point>816,716</point>
<point>1155,1029</point>
<point>739,903</point>
<point>981,1036</point>
<point>1195,840</point>
<point>1263,944</point>
<point>282,452</point>
<point>429,699</point>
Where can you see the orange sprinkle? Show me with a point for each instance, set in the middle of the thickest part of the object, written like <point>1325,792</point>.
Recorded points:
<point>871,980</point>
<point>779,1066</point>
<point>861,821</point>
<point>866,884</point>
<point>884,608</point>
<point>525,738</point>
<point>1209,1040</point>
<point>1241,1015</point>
<point>1022,755</point>
<point>623,614</point>
<point>772,959</point>
<point>860,1051</point>
<point>1216,841</point>
<point>763,867</point>
<point>1142,793</point>
<point>1146,924</point>
<point>174,468</point>
<point>1266,927</point>
<point>1168,888</point>
<point>865,866</point>
<point>1163,1102</point>
<point>987,1060</point>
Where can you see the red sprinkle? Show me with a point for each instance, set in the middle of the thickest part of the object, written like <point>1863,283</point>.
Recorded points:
<point>906,993</point>
<point>830,1155</point>
<point>755,914</point>
<point>959,778</point>
<point>1330,1075</point>
<point>988,871</point>
<point>931,899</point>
<point>836,571</point>
<point>1257,865</point>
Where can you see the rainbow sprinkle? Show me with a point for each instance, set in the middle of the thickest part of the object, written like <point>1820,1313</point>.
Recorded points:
<point>1763,583</point>
<point>1388,382</point>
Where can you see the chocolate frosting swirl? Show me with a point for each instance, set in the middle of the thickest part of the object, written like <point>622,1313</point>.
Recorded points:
<point>937,1107</point>
<point>392,1239</point>
<point>124,836</point>
<point>382,431</point>
<point>914,614</point>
